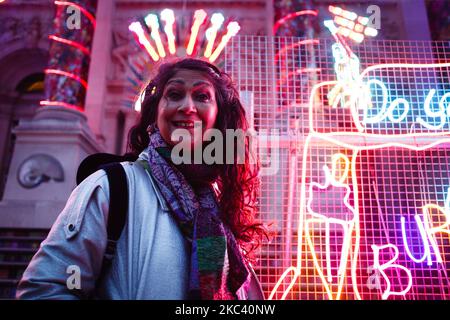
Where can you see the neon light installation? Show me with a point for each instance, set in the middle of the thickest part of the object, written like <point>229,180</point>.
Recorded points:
<point>349,77</point>
<point>168,16</point>
<point>351,25</point>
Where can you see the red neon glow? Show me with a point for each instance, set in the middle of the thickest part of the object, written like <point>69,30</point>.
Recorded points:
<point>67,74</point>
<point>284,78</point>
<point>295,45</point>
<point>71,43</point>
<point>199,18</point>
<point>82,9</point>
<point>292,16</point>
<point>60,103</point>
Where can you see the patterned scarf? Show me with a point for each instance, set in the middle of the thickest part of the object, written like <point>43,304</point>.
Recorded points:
<point>217,268</point>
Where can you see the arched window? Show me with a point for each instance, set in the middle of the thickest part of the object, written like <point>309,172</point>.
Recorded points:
<point>31,84</point>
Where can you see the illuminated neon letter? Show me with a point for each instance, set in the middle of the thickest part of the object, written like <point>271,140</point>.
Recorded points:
<point>376,265</point>
<point>423,234</point>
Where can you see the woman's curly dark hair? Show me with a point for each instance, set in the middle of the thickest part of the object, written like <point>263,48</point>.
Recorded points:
<point>238,183</point>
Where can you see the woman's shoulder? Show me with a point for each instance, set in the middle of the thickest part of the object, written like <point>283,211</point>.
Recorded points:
<point>141,180</point>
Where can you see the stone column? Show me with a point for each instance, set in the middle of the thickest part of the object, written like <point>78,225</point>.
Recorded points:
<point>100,64</point>
<point>49,147</point>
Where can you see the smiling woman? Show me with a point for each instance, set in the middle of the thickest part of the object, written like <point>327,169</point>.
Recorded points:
<point>191,229</point>
<point>188,98</point>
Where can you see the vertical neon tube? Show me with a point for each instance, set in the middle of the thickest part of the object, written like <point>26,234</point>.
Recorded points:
<point>137,29</point>
<point>168,17</point>
<point>232,29</point>
<point>211,33</point>
<point>151,21</point>
<point>199,18</point>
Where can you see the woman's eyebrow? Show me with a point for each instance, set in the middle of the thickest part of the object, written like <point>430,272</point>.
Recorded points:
<point>201,82</point>
<point>180,81</point>
<point>198,83</point>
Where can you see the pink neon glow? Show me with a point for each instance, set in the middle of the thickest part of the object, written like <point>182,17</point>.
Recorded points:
<point>71,43</point>
<point>82,9</point>
<point>232,29</point>
<point>295,45</point>
<point>67,74</point>
<point>168,17</point>
<point>199,18</point>
<point>296,72</point>
<point>343,257</point>
<point>390,265</point>
<point>292,16</point>
<point>143,40</point>
<point>60,103</point>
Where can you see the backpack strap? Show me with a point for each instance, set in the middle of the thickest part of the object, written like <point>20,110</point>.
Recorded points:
<point>118,208</point>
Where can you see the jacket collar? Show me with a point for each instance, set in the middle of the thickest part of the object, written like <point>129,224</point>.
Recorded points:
<point>143,156</point>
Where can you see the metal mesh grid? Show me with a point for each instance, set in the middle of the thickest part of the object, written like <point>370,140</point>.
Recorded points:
<point>344,198</point>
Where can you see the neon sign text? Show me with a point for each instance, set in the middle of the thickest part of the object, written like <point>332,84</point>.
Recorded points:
<point>387,111</point>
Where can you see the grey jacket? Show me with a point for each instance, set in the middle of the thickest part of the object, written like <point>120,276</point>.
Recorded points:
<point>152,256</point>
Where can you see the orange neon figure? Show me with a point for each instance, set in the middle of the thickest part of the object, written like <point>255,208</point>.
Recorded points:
<point>319,218</point>
<point>425,135</point>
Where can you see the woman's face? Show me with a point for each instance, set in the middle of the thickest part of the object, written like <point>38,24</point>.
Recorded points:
<point>188,97</point>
